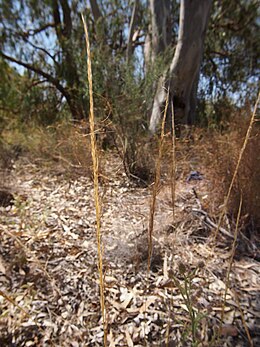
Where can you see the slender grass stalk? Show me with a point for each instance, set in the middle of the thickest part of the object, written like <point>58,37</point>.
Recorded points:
<point>94,154</point>
<point>156,185</point>
<point>173,188</point>
<point>251,343</point>
<point>227,281</point>
<point>173,166</point>
<point>247,137</point>
<point>168,328</point>
<point>12,301</point>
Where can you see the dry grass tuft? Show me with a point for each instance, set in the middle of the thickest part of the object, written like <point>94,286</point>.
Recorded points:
<point>8,155</point>
<point>247,182</point>
<point>68,145</point>
<point>138,160</point>
<point>65,146</point>
<point>218,154</point>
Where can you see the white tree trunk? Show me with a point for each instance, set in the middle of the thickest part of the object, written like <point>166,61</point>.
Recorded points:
<point>159,33</point>
<point>183,74</point>
<point>147,50</point>
<point>130,48</point>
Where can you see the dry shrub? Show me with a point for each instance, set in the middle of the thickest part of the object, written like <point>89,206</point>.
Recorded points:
<point>187,152</point>
<point>68,145</point>
<point>219,152</point>
<point>8,155</point>
<point>65,146</point>
<point>247,182</point>
<point>138,160</point>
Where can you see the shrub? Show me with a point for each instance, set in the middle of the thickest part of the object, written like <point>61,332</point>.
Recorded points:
<point>220,151</point>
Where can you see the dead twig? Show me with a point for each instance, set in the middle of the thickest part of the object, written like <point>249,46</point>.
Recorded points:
<point>209,221</point>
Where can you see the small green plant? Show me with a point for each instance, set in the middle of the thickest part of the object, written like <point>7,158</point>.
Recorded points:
<point>189,295</point>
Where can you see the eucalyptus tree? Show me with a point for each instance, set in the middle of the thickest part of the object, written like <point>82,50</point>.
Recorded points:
<point>46,38</point>
<point>220,63</point>
<point>40,36</point>
<point>231,64</point>
<point>181,78</point>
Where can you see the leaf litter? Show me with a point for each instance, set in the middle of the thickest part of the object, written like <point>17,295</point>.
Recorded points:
<point>49,275</point>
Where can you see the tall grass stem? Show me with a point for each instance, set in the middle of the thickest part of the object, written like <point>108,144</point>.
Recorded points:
<point>156,184</point>
<point>173,166</point>
<point>94,154</point>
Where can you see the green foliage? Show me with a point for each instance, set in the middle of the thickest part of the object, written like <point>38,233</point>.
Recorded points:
<point>190,295</point>
<point>217,114</point>
<point>24,100</point>
<point>31,33</point>
<point>232,49</point>
<point>9,93</point>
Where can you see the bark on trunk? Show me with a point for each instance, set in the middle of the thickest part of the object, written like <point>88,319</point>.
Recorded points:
<point>161,26</point>
<point>95,10</point>
<point>147,50</point>
<point>183,75</point>
<point>130,48</point>
<point>158,38</point>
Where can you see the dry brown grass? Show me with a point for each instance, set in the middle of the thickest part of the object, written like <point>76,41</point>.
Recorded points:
<point>69,145</point>
<point>248,180</point>
<point>224,151</point>
<point>8,154</point>
<point>217,153</point>
<point>95,160</point>
<point>156,184</point>
<point>65,147</point>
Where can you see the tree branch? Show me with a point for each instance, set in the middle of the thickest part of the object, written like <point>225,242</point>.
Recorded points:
<point>221,54</point>
<point>38,71</point>
<point>57,19</point>
<point>66,18</point>
<point>32,32</point>
<point>41,49</point>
